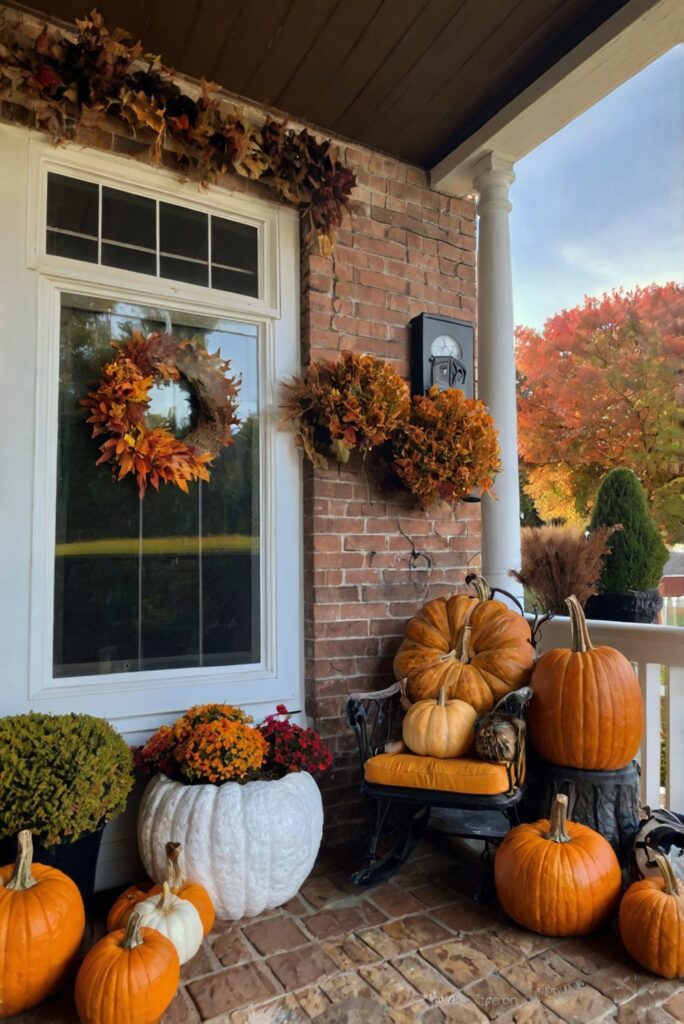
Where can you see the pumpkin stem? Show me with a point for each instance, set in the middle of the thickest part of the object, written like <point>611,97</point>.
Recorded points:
<point>559,816</point>
<point>22,877</point>
<point>481,588</point>
<point>175,870</point>
<point>132,936</point>
<point>464,644</point>
<point>667,871</point>
<point>441,697</point>
<point>580,633</point>
<point>165,900</point>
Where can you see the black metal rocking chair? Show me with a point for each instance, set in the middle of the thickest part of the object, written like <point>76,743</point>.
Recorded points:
<point>483,817</point>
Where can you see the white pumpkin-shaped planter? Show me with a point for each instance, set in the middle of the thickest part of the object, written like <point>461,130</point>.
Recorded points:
<point>175,918</point>
<point>250,845</point>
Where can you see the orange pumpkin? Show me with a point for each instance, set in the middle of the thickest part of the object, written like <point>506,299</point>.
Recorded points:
<point>652,922</point>
<point>587,710</point>
<point>129,976</point>
<point>41,926</point>
<point>557,877</point>
<point>477,649</point>
<point>180,886</point>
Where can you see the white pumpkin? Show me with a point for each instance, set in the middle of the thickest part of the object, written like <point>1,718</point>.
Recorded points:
<point>250,845</point>
<point>175,918</point>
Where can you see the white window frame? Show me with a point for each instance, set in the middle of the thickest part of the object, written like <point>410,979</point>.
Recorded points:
<point>279,674</point>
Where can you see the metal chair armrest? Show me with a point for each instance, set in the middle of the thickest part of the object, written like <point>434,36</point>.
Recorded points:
<point>370,716</point>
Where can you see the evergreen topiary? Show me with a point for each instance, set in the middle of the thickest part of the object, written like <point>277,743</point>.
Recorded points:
<point>638,553</point>
<point>62,775</point>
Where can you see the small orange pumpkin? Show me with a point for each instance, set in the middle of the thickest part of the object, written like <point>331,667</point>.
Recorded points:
<point>439,728</point>
<point>180,886</point>
<point>652,922</point>
<point>41,926</point>
<point>477,649</point>
<point>557,877</point>
<point>587,710</point>
<point>125,904</point>
<point>129,976</point>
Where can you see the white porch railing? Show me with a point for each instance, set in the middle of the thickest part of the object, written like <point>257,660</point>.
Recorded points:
<point>657,653</point>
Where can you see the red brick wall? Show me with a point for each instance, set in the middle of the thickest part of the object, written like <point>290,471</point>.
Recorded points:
<point>405,250</point>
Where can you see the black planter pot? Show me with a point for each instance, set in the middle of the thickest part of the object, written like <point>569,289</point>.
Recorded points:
<point>634,606</point>
<point>77,860</point>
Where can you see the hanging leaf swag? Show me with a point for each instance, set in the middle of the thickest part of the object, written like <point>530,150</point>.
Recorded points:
<point>121,399</point>
<point>354,403</point>
<point>439,446</point>
<point>83,78</point>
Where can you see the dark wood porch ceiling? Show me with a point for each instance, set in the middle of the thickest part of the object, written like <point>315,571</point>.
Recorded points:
<point>411,77</point>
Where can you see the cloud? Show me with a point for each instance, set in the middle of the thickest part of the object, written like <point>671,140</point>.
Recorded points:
<point>600,205</point>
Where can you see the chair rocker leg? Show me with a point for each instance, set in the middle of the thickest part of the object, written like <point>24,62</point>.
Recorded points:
<point>379,869</point>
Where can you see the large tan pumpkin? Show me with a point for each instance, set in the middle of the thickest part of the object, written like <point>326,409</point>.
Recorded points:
<point>439,728</point>
<point>587,710</point>
<point>477,649</point>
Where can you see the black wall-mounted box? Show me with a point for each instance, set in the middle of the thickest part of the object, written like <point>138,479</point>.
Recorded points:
<point>442,353</point>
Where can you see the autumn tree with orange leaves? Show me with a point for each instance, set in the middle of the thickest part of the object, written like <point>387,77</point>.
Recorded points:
<point>603,386</point>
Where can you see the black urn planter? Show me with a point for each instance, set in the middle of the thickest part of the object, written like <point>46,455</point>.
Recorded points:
<point>78,860</point>
<point>633,606</point>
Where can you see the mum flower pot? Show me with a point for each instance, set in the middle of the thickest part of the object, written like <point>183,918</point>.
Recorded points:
<point>251,845</point>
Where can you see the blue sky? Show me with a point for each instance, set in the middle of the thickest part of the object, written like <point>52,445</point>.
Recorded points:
<point>601,204</point>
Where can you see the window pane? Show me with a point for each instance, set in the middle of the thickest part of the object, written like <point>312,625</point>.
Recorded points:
<point>183,232</point>
<point>72,246</point>
<point>129,218</point>
<point>184,270</point>
<point>129,259</point>
<point>234,281</point>
<point>234,247</point>
<point>172,581</point>
<point>72,205</point>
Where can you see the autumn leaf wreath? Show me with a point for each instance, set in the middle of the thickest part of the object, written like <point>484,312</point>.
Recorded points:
<point>121,399</point>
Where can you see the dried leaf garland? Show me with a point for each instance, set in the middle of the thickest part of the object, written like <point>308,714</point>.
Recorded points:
<point>443,444</point>
<point>447,447</point>
<point>119,402</point>
<point>95,73</point>
<point>355,403</point>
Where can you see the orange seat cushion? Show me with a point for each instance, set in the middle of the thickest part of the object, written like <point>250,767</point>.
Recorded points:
<point>446,775</point>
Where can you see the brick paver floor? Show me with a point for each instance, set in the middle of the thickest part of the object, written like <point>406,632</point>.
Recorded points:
<point>411,951</point>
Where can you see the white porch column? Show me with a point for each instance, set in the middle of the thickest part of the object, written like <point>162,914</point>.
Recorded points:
<point>496,367</point>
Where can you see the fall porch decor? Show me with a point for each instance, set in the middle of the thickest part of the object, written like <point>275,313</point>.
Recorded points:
<point>119,402</point>
<point>84,77</point>
<point>447,447</point>
<point>587,710</point>
<point>476,648</point>
<point>557,877</point>
<point>41,926</point>
<point>129,976</point>
<point>240,798</point>
<point>356,402</point>
<point>652,921</point>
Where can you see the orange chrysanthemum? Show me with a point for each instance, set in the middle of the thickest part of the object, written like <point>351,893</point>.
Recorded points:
<point>221,750</point>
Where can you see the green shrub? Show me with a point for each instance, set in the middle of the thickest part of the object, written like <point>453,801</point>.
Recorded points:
<point>61,776</point>
<point>638,553</point>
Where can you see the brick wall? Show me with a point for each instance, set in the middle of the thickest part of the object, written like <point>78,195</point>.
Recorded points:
<point>405,250</point>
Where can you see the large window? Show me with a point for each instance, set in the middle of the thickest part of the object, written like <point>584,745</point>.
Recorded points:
<point>172,581</point>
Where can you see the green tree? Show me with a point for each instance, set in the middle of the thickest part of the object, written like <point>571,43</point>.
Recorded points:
<point>637,552</point>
